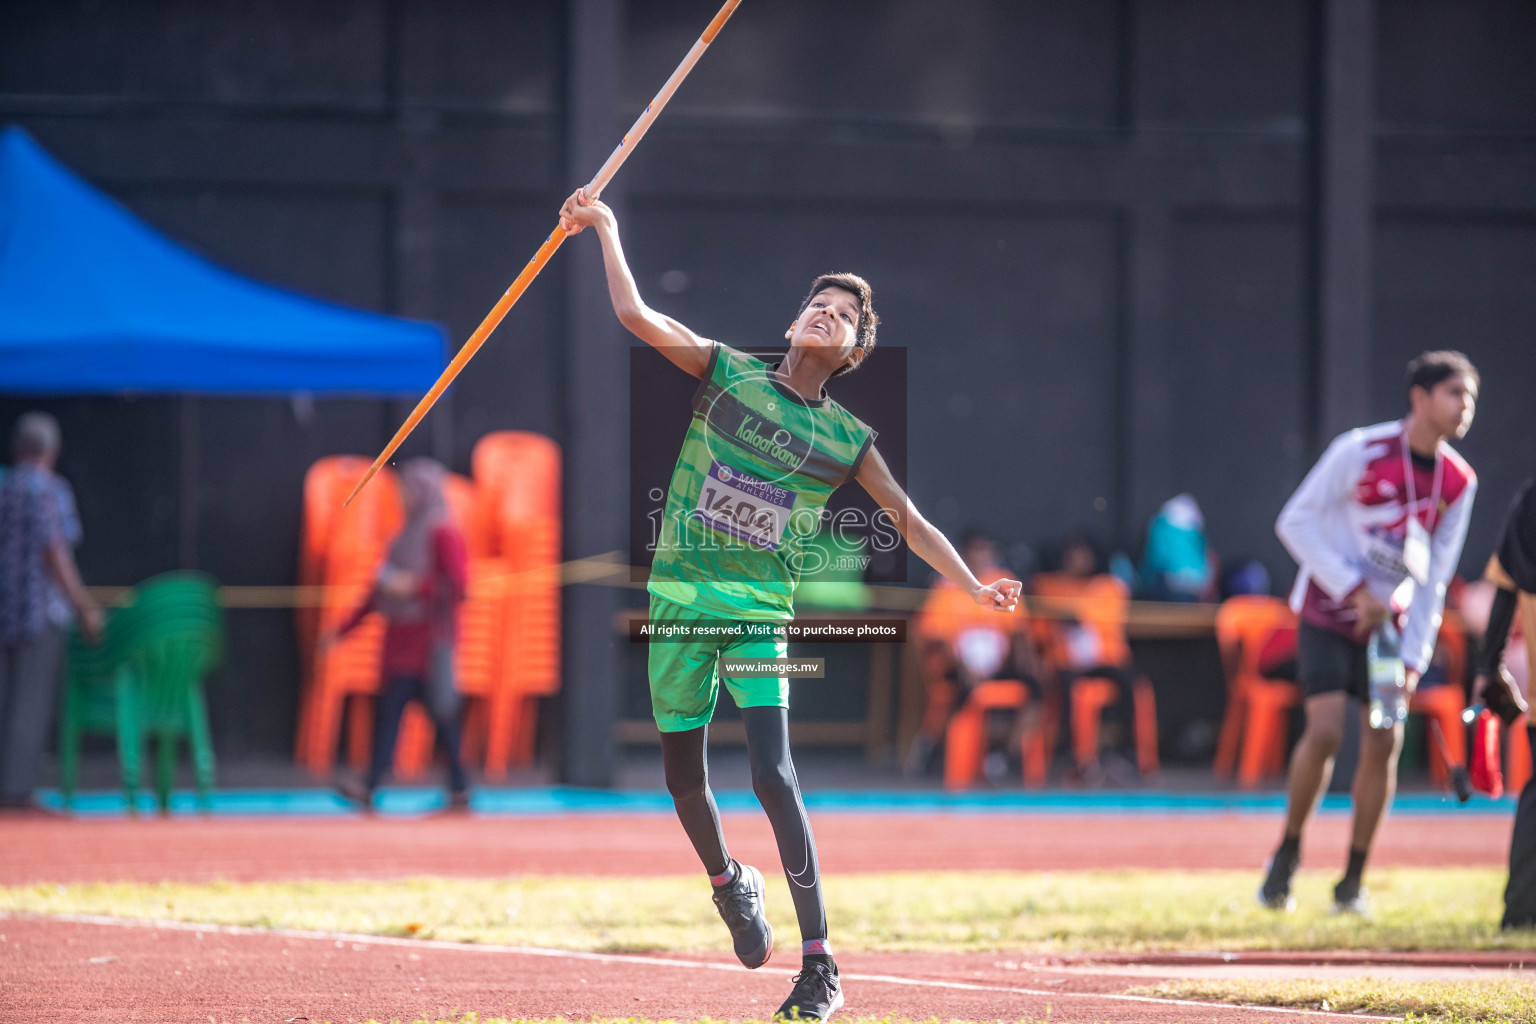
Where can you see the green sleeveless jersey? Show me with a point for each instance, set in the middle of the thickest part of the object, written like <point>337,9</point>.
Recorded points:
<point>757,467</point>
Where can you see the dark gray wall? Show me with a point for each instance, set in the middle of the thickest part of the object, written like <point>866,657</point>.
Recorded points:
<point>1090,224</point>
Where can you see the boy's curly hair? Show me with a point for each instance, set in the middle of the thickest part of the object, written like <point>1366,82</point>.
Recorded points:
<point>1428,369</point>
<point>868,318</point>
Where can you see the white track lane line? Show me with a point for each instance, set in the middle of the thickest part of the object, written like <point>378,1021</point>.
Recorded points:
<point>629,958</point>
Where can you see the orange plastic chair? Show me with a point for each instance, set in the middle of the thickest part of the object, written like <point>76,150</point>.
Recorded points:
<point>518,479</point>
<point>1090,696</point>
<point>947,613</point>
<point>1253,729</point>
<point>1099,603</point>
<point>965,737</point>
<point>326,485</point>
<point>530,648</point>
<point>1444,703</point>
<point>344,548</point>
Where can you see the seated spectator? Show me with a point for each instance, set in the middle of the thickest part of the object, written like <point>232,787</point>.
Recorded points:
<point>1085,627</point>
<point>1177,564</point>
<point>1277,658</point>
<point>1246,577</point>
<point>1082,638</point>
<point>962,645</point>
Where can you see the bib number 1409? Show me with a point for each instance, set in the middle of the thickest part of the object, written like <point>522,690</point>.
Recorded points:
<point>744,507</point>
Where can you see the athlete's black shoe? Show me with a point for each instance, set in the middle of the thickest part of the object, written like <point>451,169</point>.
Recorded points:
<point>1349,897</point>
<point>354,792</point>
<point>817,994</point>
<point>1275,893</point>
<point>740,903</point>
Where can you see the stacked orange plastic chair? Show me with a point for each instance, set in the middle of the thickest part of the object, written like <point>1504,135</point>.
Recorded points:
<point>508,652</point>
<point>1253,730</point>
<point>341,550</point>
<point>517,475</point>
<point>1098,603</point>
<point>947,614</point>
<point>1444,703</point>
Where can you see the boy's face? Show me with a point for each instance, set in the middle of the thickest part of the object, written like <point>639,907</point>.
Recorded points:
<point>830,324</point>
<point>1448,406</point>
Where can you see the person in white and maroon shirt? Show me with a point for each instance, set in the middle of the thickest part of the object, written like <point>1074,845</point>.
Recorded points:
<point>1376,528</point>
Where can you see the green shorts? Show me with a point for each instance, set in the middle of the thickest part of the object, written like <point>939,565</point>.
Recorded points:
<point>685,677</point>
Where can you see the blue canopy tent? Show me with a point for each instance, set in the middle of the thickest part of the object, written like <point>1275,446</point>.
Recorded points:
<point>94,301</point>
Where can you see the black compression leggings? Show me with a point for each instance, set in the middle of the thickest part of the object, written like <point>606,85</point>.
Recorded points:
<point>778,790</point>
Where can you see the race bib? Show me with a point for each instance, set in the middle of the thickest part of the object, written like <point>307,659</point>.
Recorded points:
<point>744,507</point>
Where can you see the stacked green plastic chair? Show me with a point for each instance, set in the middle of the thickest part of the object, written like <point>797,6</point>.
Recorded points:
<point>145,680</point>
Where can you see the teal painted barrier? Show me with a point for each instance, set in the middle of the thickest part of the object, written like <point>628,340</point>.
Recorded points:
<point>553,800</point>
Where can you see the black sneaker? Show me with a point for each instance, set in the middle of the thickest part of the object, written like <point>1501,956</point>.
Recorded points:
<point>740,903</point>
<point>354,792</point>
<point>1275,893</point>
<point>817,994</point>
<point>1349,897</point>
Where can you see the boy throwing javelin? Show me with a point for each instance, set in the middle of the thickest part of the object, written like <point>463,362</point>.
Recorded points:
<point>765,450</point>
<point>1377,528</point>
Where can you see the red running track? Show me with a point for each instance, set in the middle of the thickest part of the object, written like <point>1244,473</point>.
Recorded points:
<point>68,971</point>
<point>192,849</point>
<point>57,970</point>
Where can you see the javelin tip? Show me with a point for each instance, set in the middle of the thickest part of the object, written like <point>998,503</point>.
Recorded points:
<point>364,481</point>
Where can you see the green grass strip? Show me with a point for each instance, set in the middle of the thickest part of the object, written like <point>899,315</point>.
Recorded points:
<point>473,1018</point>
<point>1479,1001</point>
<point>1131,911</point>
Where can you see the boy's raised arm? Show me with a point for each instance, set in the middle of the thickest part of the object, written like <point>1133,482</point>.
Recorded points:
<point>930,544</point>
<point>675,341</point>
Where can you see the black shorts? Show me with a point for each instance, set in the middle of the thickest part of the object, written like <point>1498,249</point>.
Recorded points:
<point>1329,662</point>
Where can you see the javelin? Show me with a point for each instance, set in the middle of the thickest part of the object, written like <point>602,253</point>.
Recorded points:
<point>594,189</point>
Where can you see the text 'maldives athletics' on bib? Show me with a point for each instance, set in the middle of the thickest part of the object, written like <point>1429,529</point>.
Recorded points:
<point>756,469</point>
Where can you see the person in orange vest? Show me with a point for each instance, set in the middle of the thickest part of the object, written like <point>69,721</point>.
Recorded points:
<point>962,645</point>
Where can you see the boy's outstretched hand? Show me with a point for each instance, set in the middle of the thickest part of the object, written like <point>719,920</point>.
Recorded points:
<point>1002,596</point>
<point>579,213</point>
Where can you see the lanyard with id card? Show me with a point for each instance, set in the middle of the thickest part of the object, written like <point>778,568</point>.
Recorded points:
<point>1416,541</point>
